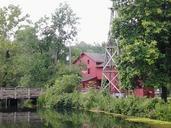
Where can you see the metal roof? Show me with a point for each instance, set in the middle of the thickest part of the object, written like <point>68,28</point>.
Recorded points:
<point>97,57</point>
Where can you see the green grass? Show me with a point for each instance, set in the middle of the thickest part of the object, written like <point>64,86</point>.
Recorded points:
<point>156,123</point>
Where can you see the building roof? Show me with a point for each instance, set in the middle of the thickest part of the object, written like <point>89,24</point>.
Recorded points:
<point>97,57</point>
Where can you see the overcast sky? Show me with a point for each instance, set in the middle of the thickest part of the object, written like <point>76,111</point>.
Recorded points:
<point>94,14</point>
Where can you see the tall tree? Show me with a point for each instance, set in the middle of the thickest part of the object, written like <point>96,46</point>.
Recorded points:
<point>57,30</point>
<point>43,45</point>
<point>28,59</point>
<point>10,21</point>
<point>35,65</point>
<point>28,39</point>
<point>9,68</point>
<point>143,29</point>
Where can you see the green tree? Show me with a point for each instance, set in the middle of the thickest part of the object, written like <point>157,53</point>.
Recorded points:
<point>67,80</point>
<point>39,45</point>
<point>9,68</point>
<point>143,29</point>
<point>10,21</point>
<point>28,39</point>
<point>57,30</point>
<point>29,55</point>
<point>37,66</point>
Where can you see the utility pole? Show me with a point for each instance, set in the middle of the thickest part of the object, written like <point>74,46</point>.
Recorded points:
<point>68,57</point>
<point>70,54</point>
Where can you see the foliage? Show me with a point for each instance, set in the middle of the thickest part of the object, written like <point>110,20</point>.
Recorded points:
<point>143,29</point>
<point>97,100</point>
<point>10,21</point>
<point>60,93</point>
<point>57,30</point>
<point>27,104</point>
<point>38,71</point>
<point>32,56</point>
<point>9,68</point>
<point>138,60</point>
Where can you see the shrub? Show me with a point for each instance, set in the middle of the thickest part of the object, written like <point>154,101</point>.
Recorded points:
<point>60,93</point>
<point>163,111</point>
<point>64,97</point>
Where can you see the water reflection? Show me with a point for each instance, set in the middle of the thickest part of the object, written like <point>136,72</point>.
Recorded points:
<point>63,119</point>
<point>20,119</point>
<point>85,120</point>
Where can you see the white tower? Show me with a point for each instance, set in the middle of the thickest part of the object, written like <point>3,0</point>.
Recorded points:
<point>110,75</point>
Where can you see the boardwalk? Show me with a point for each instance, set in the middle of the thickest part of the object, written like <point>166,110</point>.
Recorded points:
<point>19,93</point>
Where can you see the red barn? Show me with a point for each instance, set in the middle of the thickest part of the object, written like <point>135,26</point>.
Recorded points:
<point>91,65</point>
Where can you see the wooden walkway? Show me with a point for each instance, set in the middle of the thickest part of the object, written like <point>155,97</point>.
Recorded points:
<point>19,93</point>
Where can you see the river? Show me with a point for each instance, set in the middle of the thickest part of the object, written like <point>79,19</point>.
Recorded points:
<point>63,119</point>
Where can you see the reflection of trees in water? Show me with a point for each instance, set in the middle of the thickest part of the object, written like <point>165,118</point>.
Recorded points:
<point>65,119</point>
<point>22,125</point>
<point>20,120</point>
<point>85,120</point>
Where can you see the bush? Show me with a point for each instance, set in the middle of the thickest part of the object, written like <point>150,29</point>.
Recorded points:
<point>131,106</point>
<point>63,94</point>
<point>163,111</point>
<point>60,94</point>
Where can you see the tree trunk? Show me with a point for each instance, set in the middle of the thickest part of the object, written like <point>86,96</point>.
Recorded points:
<point>164,93</point>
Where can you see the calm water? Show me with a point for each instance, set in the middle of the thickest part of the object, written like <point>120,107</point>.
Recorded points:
<point>63,119</point>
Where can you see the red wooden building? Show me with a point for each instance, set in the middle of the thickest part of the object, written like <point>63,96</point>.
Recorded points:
<point>91,65</point>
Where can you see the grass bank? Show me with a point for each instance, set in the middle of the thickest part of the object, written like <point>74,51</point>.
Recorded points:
<point>156,123</point>
<point>63,94</point>
<point>95,100</point>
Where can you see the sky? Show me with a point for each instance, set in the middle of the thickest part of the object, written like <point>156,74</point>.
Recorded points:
<point>94,15</point>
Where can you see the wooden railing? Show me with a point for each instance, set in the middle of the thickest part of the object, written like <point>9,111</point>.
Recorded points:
<point>19,93</point>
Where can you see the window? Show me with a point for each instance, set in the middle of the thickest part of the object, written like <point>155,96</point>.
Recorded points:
<point>88,61</point>
<point>88,71</point>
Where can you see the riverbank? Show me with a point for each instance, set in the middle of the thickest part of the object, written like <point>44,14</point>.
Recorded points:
<point>97,100</point>
<point>156,123</point>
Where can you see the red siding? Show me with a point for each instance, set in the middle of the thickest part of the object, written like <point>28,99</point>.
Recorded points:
<point>99,73</point>
<point>145,91</point>
<point>93,70</point>
<point>91,65</point>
